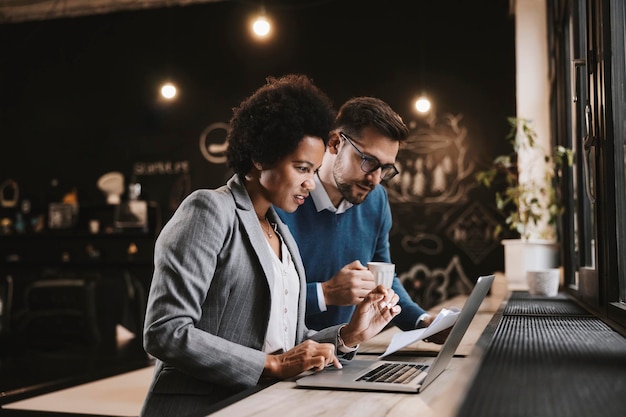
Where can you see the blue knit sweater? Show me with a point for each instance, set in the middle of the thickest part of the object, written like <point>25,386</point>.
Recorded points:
<point>329,241</point>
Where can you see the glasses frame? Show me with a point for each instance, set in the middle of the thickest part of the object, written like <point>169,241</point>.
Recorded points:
<point>388,171</point>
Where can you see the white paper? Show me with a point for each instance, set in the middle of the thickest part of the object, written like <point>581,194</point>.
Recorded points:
<point>446,318</point>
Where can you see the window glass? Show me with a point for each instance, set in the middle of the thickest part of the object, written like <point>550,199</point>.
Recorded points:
<point>618,34</point>
<point>583,143</point>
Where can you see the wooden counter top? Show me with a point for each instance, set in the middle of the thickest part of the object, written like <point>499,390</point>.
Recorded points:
<point>440,399</point>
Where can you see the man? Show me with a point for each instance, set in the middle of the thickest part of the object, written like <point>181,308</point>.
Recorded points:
<point>347,221</point>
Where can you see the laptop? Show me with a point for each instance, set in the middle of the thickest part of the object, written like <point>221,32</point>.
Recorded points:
<point>394,376</point>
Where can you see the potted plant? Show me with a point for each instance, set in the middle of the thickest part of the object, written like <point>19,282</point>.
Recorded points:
<point>530,200</point>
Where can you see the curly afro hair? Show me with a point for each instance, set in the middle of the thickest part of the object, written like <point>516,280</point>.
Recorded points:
<point>269,125</point>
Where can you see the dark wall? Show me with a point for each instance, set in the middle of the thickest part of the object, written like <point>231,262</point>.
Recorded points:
<point>78,98</point>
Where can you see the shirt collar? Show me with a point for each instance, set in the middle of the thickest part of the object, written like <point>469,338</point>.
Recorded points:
<point>322,200</point>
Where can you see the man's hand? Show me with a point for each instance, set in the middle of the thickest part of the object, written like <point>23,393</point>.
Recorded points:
<point>308,355</point>
<point>371,316</point>
<point>349,286</point>
<point>438,338</point>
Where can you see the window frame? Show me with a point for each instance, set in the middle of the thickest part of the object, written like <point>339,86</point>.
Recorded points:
<point>595,29</point>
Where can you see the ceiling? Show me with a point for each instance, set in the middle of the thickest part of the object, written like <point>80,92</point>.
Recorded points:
<point>14,11</point>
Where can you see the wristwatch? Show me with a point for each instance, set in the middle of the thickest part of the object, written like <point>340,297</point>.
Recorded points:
<point>421,322</point>
<point>341,346</point>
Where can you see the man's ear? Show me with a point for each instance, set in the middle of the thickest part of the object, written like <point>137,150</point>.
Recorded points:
<point>333,142</point>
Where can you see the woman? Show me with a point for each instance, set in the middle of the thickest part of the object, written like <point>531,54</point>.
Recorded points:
<point>227,300</point>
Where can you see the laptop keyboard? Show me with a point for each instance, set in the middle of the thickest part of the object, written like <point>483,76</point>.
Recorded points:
<point>396,373</point>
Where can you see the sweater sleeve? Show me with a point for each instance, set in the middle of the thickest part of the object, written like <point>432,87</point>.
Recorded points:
<point>312,303</point>
<point>411,311</point>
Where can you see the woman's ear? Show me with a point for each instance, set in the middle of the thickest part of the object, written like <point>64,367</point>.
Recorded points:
<point>254,171</point>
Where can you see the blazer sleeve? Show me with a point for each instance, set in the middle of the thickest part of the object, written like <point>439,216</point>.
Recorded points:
<point>180,329</point>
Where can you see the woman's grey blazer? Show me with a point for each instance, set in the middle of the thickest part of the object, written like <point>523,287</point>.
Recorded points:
<point>209,300</point>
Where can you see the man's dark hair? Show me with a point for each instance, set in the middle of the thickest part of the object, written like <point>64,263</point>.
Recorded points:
<point>270,124</point>
<point>360,112</point>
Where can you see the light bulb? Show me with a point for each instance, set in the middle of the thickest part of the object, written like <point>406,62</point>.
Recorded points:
<point>168,91</point>
<point>422,104</point>
<point>261,26</point>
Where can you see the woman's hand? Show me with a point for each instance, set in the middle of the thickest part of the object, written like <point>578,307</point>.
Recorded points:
<point>308,355</point>
<point>371,316</point>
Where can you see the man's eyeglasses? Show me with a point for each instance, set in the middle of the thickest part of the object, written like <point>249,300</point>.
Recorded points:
<point>370,164</point>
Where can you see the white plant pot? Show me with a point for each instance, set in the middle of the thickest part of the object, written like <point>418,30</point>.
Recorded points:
<point>544,281</point>
<point>521,256</point>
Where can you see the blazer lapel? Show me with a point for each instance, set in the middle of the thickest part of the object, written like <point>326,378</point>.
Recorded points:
<point>250,223</point>
<point>291,244</point>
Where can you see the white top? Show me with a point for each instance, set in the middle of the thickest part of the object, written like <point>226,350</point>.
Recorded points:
<point>281,329</point>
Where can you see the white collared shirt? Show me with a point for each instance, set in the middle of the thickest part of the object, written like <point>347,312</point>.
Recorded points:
<point>322,200</point>
<point>281,329</point>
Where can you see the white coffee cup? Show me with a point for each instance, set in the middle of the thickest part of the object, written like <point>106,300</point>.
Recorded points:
<point>384,272</point>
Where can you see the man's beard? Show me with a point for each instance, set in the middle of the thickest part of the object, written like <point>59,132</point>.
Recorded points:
<point>346,191</point>
<point>346,188</point>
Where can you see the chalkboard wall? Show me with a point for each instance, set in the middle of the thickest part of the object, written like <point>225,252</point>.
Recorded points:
<point>79,98</point>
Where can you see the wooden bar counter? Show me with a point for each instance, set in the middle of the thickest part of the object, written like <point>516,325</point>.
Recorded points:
<point>441,398</point>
